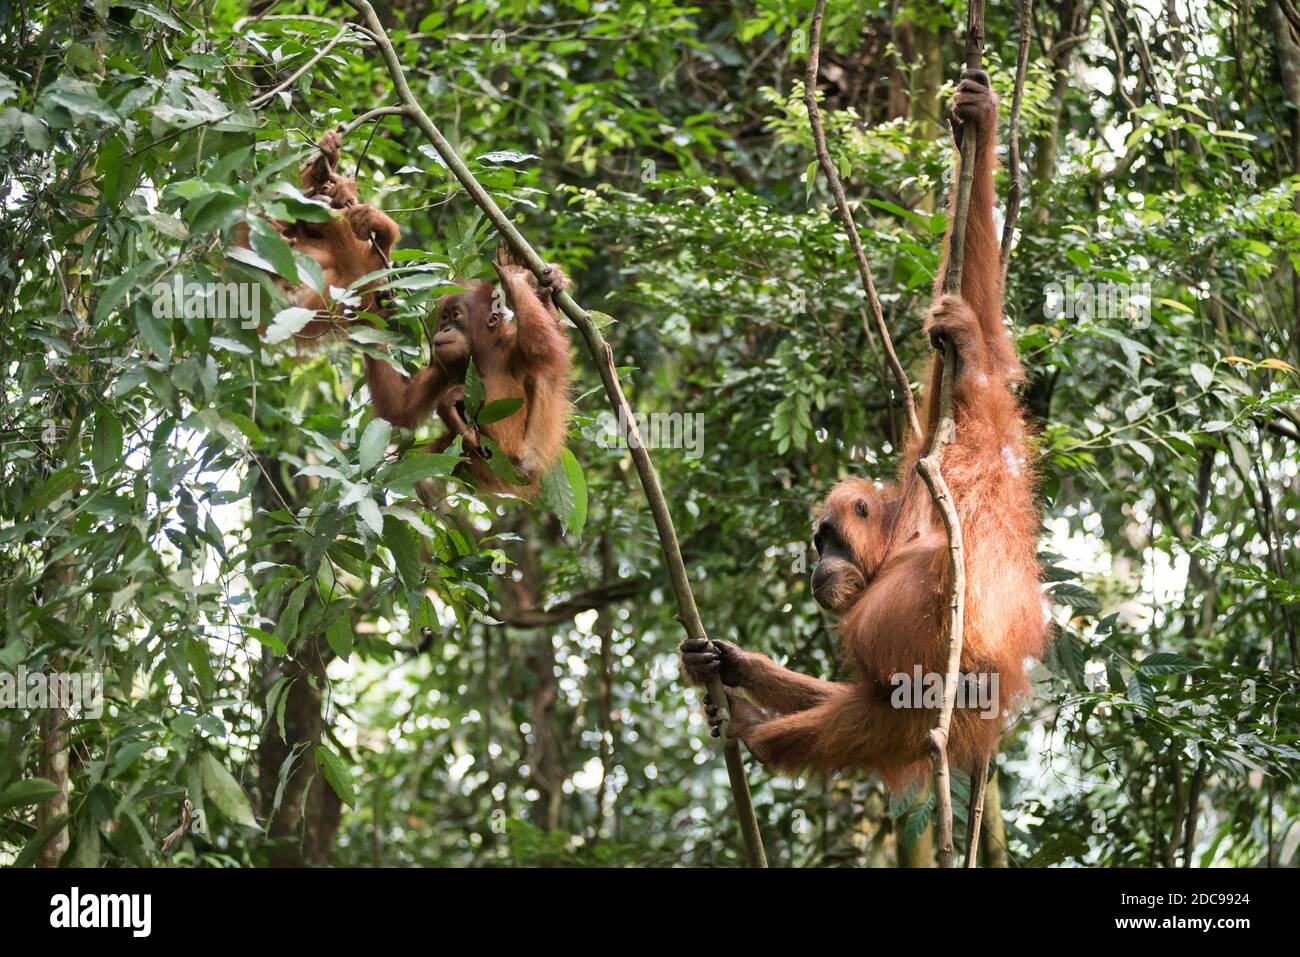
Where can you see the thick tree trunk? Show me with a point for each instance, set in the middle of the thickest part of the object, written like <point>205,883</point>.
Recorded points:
<point>916,79</point>
<point>1074,16</point>
<point>1288,65</point>
<point>53,752</point>
<point>53,761</point>
<point>924,104</point>
<point>53,765</point>
<point>304,827</point>
<point>545,763</point>
<point>898,103</point>
<point>927,80</point>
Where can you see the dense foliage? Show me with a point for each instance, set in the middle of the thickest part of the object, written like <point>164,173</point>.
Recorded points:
<point>327,671</point>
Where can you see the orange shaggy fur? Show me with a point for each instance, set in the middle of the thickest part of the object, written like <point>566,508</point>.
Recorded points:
<point>890,586</point>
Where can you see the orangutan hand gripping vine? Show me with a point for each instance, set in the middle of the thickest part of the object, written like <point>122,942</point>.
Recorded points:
<point>883,551</point>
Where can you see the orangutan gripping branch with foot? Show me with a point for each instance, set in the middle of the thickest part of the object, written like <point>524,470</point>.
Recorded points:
<point>882,562</point>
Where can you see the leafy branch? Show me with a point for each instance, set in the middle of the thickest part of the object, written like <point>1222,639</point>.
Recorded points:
<point>603,355</point>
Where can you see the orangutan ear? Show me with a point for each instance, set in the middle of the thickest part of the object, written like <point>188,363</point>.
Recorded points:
<point>860,507</point>
<point>494,319</point>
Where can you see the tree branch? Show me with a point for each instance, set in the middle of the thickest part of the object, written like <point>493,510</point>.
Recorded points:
<point>1017,191</point>
<point>1290,12</point>
<point>929,468</point>
<point>262,99</point>
<point>687,612</point>
<point>846,215</point>
<point>975,816</point>
<point>1194,798</point>
<point>352,124</point>
<point>589,600</point>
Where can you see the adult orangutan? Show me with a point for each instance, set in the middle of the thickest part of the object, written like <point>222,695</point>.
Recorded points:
<point>883,564</point>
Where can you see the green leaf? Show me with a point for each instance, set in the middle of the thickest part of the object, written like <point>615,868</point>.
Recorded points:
<point>415,466</point>
<point>506,156</point>
<point>309,272</point>
<point>922,221</point>
<point>1175,304</point>
<point>323,534</point>
<point>1077,597</point>
<point>212,212</point>
<point>27,791</point>
<point>336,773</point>
<point>556,493</point>
<point>286,628</point>
<point>1167,663</point>
<point>292,204</point>
<point>246,426</point>
<point>371,515</point>
<point>1114,677</point>
<point>900,801</point>
<point>265,637</point>
<point>155,330</point>
<point>474,391</point>
<point>221,788</point>
<point>57,485</point>
<point>281,707</point>
<point>1067,656</point>
<point>270,245</point>
<point>374,443</point>
<point>809,181</point>
<point>918,820</point>
<point>1080,258</point>
<point>80,98</point>
<point>118,288</point>
<point>42,837</point>
<point>404,545</point>
<point>339,635</point>
<point>87,851</point>
<point>499,463</point>
<point>499,409</point>
<point>1140,691</point>
<point>288,323</point>
<point>106,443</point>
<point>564,490</point>
<point>196,653</point>
<point>753,27</point>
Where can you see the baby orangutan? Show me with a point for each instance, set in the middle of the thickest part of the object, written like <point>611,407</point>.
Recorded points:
<point>526,359</point>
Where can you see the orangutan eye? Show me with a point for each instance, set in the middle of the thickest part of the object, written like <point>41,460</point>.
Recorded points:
<point>860,507</point>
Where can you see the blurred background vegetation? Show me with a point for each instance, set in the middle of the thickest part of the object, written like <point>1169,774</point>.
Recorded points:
<point>206,518</point>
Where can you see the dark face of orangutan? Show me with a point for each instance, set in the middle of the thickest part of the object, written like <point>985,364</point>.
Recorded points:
<point>461,318</point>
<point>851,537</point>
